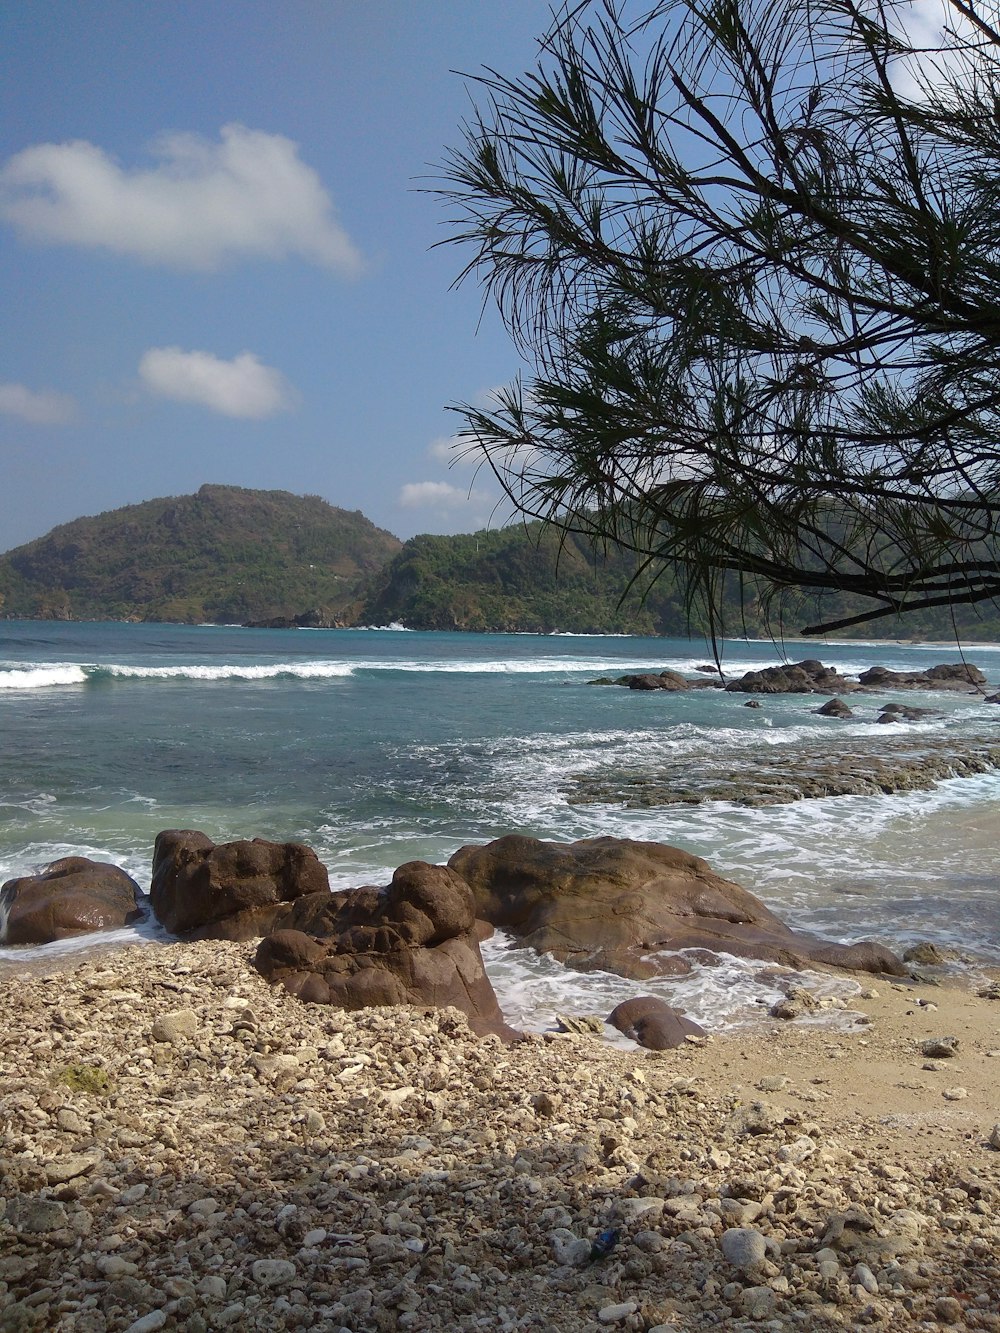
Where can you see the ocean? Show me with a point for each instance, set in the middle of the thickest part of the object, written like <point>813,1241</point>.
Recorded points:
<point>381,746</point>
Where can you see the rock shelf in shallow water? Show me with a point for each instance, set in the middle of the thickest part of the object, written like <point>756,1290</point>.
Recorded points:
<point>822,767</point>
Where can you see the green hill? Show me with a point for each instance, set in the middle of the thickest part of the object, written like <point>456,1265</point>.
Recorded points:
<point>225,555</point>
<point>517,578</point>
<point>231,555</point>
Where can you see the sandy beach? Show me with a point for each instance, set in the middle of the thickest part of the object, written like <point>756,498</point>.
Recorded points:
<point>185,1147</point>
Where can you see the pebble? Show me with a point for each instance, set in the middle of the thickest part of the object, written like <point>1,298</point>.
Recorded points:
<point>957,1094</point>
<point>758,1302</point>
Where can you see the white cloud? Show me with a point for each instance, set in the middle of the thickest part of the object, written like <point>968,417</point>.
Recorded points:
<point>45,408</point>
<point>243,387</point>
<point>247,195</point>
<point>922,24</point>
<point>422,494</point>
<point>447,449</point>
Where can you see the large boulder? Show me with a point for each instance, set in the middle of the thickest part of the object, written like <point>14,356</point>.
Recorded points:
<point>70,897</point>
<point>230,891</point>
<point>620,906</point>
<point>413,942</point>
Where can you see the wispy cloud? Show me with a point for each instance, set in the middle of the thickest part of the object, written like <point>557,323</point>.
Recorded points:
<point>249,195</point>
<point>40,408</point>
<point>243,387</point>
<point>438,494</point>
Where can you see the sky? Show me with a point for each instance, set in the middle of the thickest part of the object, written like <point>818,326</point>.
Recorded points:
<point>217,254</point>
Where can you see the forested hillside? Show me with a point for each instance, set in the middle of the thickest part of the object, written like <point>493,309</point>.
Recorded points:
<point>226,555</point>
<point>229,555</point>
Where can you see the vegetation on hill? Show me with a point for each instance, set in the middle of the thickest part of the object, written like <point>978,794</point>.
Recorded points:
<point>229,555</point>
<point>225,555</point>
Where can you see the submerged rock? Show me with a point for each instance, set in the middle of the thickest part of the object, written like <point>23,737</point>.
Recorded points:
<point>70,897</point>
<point>628,907</point>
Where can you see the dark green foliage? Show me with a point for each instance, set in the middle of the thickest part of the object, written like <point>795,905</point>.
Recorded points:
<point>224,555</point>
<point>530,578</point>
<point>750,253</point>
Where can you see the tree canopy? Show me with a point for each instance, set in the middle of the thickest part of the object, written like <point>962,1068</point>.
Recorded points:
<point>750,253</point>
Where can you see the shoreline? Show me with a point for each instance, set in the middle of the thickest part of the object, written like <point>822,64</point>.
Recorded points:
<point>187,1147</point>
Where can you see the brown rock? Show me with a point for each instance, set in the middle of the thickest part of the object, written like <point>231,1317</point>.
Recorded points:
<point>414,942</point>
<point>232,890</point>
<point>808,677</point>
<point>653,1023</point>
<point>620,906</point>
<point>70,897</point>
<point>834,708</point>
<point>947,676</point>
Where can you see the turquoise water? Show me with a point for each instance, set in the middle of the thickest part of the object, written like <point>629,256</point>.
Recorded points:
<point>380,746</point>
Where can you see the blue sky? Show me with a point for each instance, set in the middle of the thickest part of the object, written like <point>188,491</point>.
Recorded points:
<point>215,257</point>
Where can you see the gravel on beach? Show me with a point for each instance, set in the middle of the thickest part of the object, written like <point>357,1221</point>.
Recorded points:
<point>184,1147</point>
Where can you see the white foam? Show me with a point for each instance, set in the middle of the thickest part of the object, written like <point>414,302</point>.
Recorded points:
<point>232,671</point>
<point>42,677</point>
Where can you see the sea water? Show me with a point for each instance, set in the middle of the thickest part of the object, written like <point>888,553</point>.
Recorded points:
<point>381,746</point>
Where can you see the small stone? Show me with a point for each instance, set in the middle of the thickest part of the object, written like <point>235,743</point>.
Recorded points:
<point>212,1288</point>
<point>773,1082</point>
<point>175,1026</point>
<point>69,1167</point>
<point>630,1209</point>
<point>614,1314</point>
<point>955,1094</point>
<point>273,1272</point>
<point>568,1248</point>
<point>31,1216</point>
<point>994,1138</point>
<point>203,1207</point>
<point>112,1266</point>
<point>940,1048</point>
<point>758,1302</point>
<point>314,1122</point>
<point>744,1247</point>
<point>313,1238</point>
<point>148,1323</point>
<point>71,1121</point>
<point>948,1310</point>
<point>864,1277</point>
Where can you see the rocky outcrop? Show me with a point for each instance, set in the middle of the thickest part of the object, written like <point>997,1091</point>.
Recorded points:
<point>671,681</point>
<point>808,677</point>
<point>70,897</point>
<point>948,676</point>
<point>413,942</point>
<point>232,890</point>
<point>628,907</point>
<point>653,1023</point>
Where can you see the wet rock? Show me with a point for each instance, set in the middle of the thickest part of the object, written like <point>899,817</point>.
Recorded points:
<point>948,676</point>
<point>628,907</point>
<point>70,897</point>
<point>808,677</point>
<point>653,1023</point>
<point>834,708</point>
<point>232,890</point>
